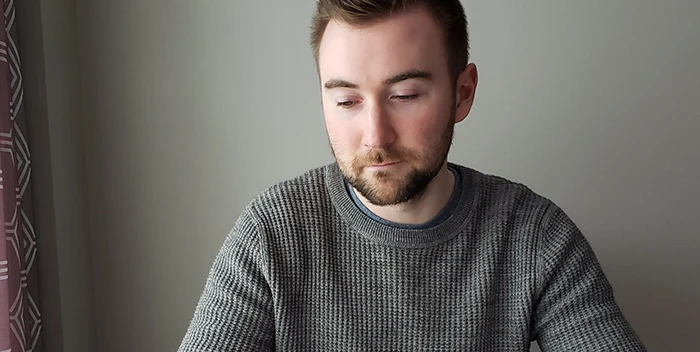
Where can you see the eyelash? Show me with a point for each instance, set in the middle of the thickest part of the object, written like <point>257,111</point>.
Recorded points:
<point>345,104</point>
<point>406,97</point>
<point>401,98</point>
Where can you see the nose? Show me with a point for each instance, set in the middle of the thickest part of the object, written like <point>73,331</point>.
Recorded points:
<point>378,131</point>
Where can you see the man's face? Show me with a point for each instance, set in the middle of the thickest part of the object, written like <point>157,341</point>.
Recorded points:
<point>388,103</point>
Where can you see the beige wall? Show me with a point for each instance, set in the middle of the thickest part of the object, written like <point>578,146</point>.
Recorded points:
<point>191,108</point>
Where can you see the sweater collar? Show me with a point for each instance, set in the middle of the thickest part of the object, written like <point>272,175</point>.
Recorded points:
<point>395,236</point>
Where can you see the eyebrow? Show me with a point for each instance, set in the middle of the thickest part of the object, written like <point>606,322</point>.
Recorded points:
<point>412,74</point>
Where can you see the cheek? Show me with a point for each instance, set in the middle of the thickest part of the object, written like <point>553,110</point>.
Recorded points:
<point>422,127</point>
<point>425,134</point>
<point>342,136</point>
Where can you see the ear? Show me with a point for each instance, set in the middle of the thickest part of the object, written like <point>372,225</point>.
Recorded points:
<point>465,91</point>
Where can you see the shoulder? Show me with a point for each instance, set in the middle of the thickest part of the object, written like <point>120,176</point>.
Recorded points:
<point>508,203</point>
<point>498,191</point>
<point>305,193</point>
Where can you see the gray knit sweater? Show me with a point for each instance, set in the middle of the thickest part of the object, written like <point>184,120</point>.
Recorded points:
<point>303,269</point>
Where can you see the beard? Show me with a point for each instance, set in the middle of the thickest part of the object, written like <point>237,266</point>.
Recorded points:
<point>383,188</point>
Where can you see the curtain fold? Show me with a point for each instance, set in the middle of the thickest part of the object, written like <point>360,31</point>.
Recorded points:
<point>20,317</point>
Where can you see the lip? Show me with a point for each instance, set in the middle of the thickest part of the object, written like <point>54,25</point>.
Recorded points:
<point>383,165</point>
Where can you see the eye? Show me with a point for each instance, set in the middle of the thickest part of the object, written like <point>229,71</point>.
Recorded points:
<point>406,97</point>
<point>347,104</point>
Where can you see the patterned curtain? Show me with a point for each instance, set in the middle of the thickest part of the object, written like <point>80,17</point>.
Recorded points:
<point>20,317</point>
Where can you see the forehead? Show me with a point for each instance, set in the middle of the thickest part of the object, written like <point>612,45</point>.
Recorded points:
<point>410,40</point>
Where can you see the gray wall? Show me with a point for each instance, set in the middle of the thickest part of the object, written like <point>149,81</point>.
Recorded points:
<point>189,109</point>
<point>48,45</point>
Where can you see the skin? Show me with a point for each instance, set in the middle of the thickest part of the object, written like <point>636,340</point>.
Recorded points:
<point>390,107</point>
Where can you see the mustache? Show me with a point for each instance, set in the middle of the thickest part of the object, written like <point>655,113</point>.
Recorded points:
<point>380,156</point>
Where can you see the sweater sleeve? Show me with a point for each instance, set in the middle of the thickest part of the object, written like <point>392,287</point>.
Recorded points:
<point>235,311</point>
<point>575,307</point>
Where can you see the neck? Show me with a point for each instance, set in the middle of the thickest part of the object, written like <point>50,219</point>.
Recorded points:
<point>421,208</point>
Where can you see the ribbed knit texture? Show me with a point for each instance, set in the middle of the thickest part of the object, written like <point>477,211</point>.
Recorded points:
<point>303,269</point>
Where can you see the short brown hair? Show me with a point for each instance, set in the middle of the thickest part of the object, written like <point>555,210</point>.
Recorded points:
<point>448,14</point>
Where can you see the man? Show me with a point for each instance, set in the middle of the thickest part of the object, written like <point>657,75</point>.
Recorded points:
<point>391,247</point>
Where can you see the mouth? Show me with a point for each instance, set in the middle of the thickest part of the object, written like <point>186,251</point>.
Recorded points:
<point>383,165</point>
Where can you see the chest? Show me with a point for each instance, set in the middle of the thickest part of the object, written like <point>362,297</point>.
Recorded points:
<point>456,295</point>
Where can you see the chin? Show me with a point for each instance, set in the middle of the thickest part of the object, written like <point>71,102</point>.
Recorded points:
<point>385,190</point>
